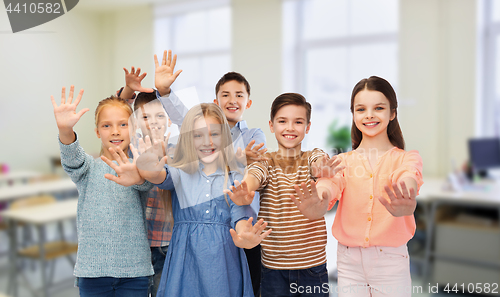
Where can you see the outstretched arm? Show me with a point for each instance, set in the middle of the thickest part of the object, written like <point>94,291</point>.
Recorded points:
<point>164,73</point>
<point>66,115</point>
<point>248,236</point>
<point>402,202</point>
<point>313,204</point>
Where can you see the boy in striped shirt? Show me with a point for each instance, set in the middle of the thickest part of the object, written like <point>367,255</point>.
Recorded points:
<point>294,254</point>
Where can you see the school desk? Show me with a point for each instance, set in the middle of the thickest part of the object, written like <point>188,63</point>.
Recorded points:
<point>36,188</point>
<point>453,246</point>
<point>39,217</point>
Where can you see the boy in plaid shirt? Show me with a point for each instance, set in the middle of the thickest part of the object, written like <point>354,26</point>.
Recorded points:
<point>151,119</point>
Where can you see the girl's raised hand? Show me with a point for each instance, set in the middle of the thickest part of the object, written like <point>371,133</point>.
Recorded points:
<point>249,236</point>
<point>326,167</point>
<point>311,204</point>
<point>402,202</point>
<point>239,193</point>
<point>127,172</point>
<point>133,80</point>
<point>65,113</point>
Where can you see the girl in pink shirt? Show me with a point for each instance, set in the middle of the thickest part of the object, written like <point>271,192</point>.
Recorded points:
<point>376,186</point>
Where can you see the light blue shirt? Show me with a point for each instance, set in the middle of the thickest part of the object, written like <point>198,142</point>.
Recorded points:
<point>174,107</point>
<point>242,136</point>
<point>202,259</point>
<point>198,188</point>
<point>240,133</point>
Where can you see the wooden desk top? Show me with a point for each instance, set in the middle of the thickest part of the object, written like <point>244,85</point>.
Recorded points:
<point>36,188</point>
<point>43,214</point>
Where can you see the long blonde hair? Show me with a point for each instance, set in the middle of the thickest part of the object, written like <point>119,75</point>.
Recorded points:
<point>111,101</point>
<point>186,157</point>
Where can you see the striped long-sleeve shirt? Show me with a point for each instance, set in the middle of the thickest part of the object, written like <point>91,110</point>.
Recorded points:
<point>296,242</point>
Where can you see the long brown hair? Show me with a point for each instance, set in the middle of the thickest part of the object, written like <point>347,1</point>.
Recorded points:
<point>375,83</point>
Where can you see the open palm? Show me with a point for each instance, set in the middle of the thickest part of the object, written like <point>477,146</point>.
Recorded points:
<point>401,202</point>
<point>249,236</point>
<point>326,167</point>
<point>240,194</point>
<point>65,113</point>
<point>255,153</point>
<point>164,73</point>
<point>133,80</point>
<point>126,171</point>
<point>311,204</point>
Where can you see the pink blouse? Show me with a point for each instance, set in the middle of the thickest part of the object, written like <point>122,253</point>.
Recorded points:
<point>361,220</point>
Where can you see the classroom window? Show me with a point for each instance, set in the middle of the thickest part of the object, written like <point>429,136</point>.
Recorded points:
<point>200,34</point>
<point>328,46</point>
<point>490,109</point>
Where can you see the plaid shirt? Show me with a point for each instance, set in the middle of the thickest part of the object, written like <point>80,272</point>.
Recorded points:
<point>159,231</point>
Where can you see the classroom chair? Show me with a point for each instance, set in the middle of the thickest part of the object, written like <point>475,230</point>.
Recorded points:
<point>51,249</point>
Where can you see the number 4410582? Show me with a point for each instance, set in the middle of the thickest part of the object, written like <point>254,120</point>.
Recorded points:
<point>471,288</point>
<point>35,8</point>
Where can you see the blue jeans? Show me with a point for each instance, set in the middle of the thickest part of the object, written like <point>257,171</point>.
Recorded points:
<point>158,255</point>
<point>291,283</point>
<point>113,287</point>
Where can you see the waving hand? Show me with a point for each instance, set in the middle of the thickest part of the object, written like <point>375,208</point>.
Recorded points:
<point>66,115</point>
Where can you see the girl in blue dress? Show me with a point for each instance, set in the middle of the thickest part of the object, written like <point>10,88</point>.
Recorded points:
<point>205,257</point>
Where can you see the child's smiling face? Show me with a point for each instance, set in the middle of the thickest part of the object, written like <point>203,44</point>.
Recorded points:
<point>112,129</point>
<point>290,126</point>
<point>233,100</point>
<point>372,113</point>
<point>207,138</point>
<point>152,117</point>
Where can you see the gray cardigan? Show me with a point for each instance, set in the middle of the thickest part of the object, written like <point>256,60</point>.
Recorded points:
<point>111,223</point>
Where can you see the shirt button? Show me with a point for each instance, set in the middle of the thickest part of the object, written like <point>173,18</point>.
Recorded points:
<point>369,219</point>
<point>208,195</point>
<point>371,175</point>
<point>208,181</point>
<point>367,239</point>
<point>371,196</point>
<point>207,211</point>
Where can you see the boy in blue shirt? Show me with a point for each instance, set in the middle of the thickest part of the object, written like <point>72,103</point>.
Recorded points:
<point>233,96</point>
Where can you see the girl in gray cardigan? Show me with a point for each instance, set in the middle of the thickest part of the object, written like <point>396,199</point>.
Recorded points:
<point>113,250</point>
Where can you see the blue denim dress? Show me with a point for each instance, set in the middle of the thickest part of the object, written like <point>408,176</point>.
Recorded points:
<point>202,259</point>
